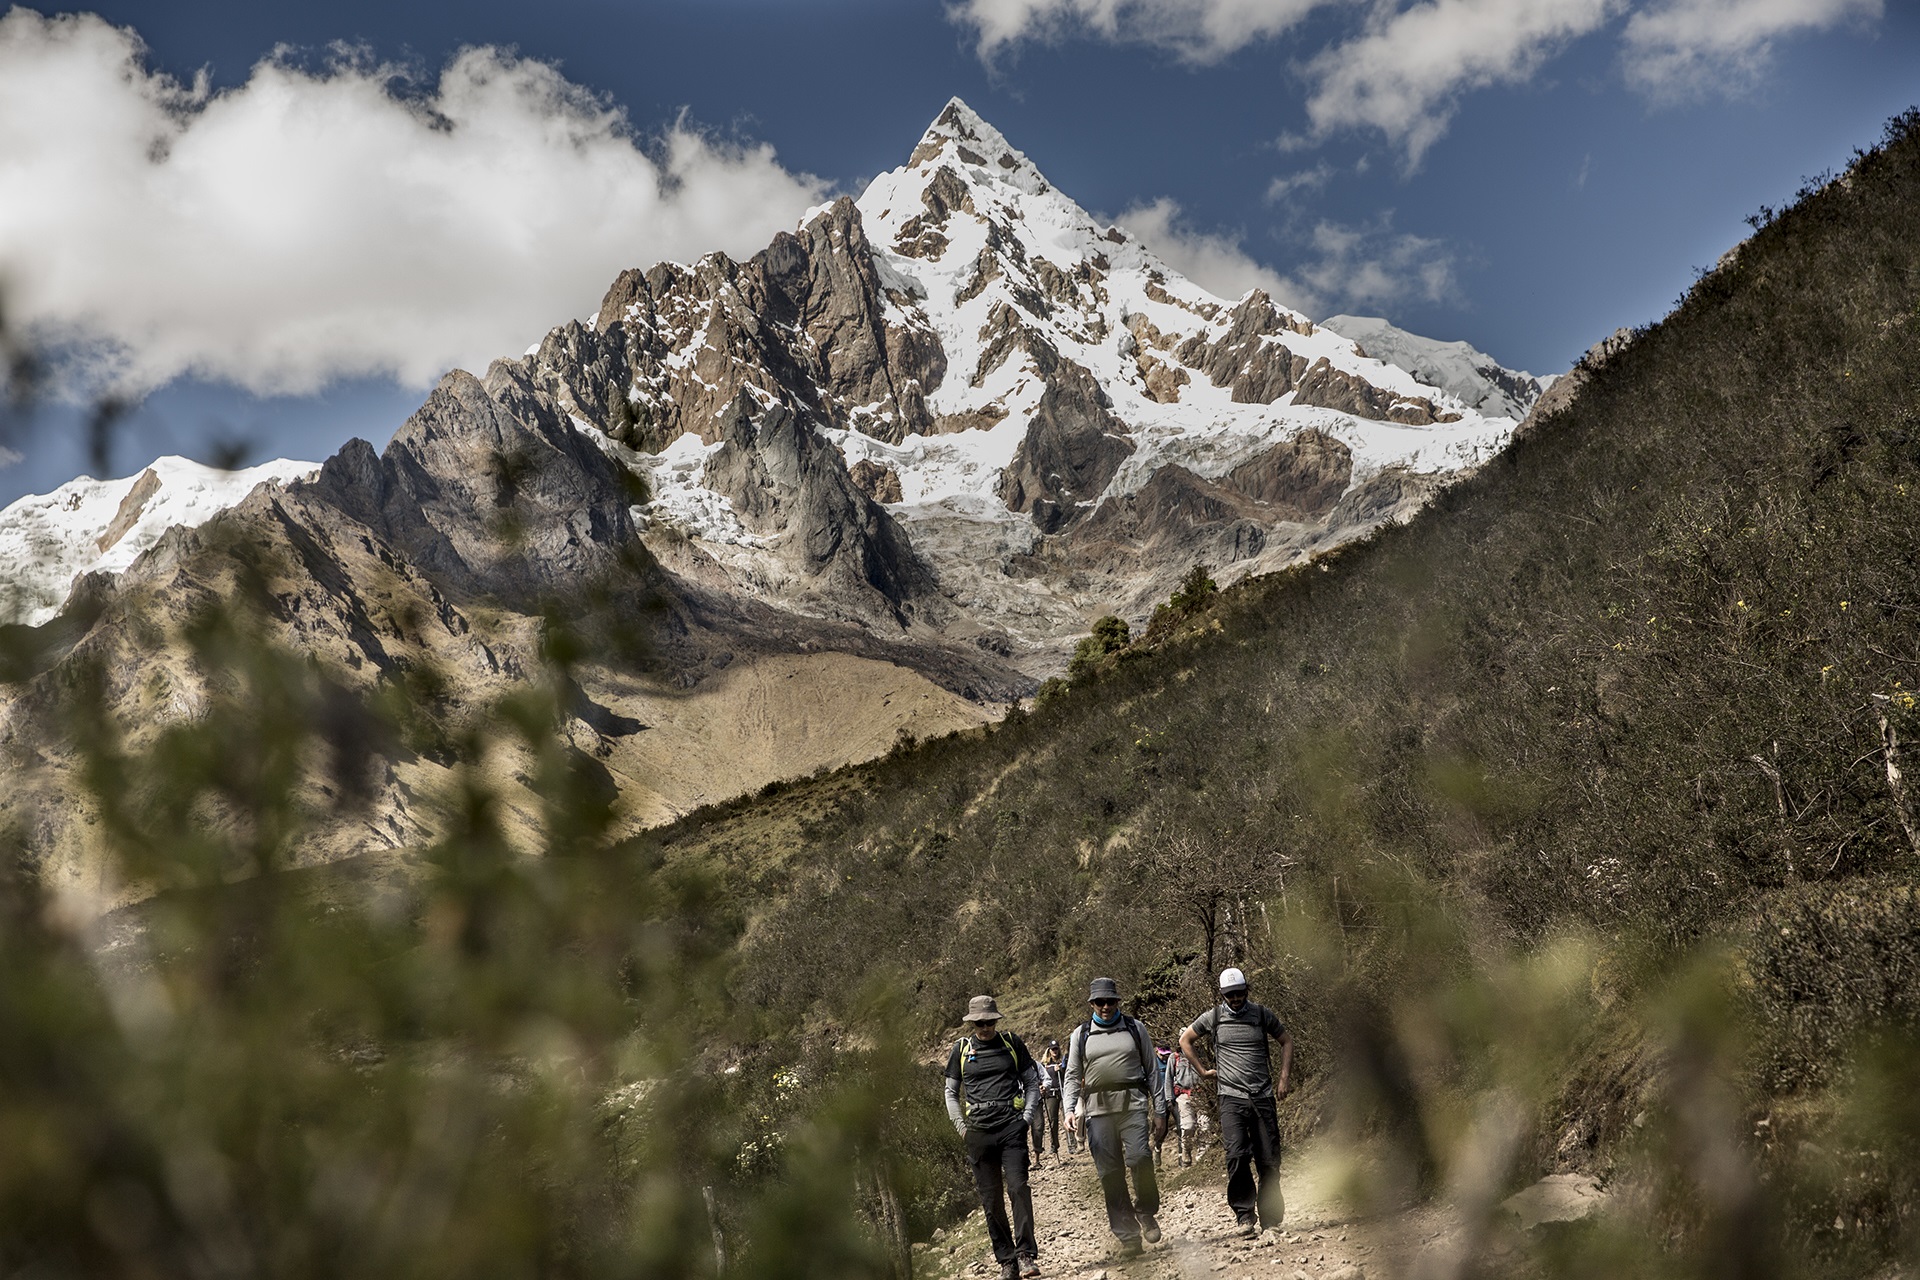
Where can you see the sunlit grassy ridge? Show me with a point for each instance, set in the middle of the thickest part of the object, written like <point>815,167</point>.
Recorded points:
<point>1639,683</point>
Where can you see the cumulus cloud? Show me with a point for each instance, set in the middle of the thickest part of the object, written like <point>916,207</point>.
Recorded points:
<point>1374,265</point>
<point>1339,266</point>
<point>8,457</point>
<point>1198,30</point>
<point>1687,48</point>
<point>1287,184</point>
<point>1214,260</point>
<point>1406,74</point>
<point>310,225</point>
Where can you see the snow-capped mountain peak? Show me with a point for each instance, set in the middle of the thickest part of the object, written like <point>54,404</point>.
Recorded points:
<point>962,399</point>
<point>960,137</point>
<point>47,540</point>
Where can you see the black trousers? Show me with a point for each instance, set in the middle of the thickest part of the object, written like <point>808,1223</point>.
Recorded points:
<point>1000,1164</point>
<point>1250,1133</point>
<point>1048,1128</point>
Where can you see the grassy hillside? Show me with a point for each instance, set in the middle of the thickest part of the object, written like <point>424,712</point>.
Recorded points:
<point>1643,682</point>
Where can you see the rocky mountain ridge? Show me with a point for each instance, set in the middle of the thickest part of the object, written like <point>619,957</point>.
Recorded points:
<point>994,366</point>
<point>873,481</point>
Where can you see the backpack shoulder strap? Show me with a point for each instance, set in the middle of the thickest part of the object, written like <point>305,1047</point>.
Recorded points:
<point>1145,1046</point>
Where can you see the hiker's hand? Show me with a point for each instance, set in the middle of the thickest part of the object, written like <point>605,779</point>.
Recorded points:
<point>1281,1089</point>
<point>1159,1128</point>
<point>960,1128</point>
<point>1073,1123</point>
<point>1209,1073</point>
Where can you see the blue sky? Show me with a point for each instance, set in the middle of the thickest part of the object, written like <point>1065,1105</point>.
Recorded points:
<point>283,253</point>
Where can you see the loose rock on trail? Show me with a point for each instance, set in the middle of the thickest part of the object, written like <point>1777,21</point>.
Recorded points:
<point>1318,1240</point>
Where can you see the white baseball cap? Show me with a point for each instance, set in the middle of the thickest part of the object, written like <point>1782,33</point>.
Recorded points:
<point>1232,978</point>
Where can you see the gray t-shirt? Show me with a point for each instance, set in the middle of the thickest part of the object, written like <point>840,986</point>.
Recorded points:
<point>1240,1047</point>
<point>1110,1070</point>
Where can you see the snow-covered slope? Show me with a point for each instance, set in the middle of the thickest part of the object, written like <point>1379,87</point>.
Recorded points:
<point>1013,251</point>
<point>959,407</point>
<point>1479,380</point>
<point>47,540</point>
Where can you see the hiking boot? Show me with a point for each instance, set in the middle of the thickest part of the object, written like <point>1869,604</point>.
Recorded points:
<point>1009,1271</point>
<point>1249,1228</point>
<point>1149,1228</point>
<point>1129,1247</point>
<point>1029,1267</point>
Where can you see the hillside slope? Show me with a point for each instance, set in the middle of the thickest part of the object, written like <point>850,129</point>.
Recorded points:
<point>1646,676</point>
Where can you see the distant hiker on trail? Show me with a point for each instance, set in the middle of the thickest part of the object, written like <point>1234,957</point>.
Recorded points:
<point>1073,1134</point>
<point>1184,1079</point>
<point>993,1095</point>
<point>1112,1097</point>
<point>1051,1063</point>
<point>1247,1087</point>
<point>1161,1085</point>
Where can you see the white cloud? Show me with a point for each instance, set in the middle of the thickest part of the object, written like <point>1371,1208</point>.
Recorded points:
<point>1341,267</point>
<point>1213,260</point>
<point>1406,73</point>
<point>1686,48</point>
<point>1306,180</point>
<point>1374,265</point>
<point>1198,30</point>
<point>8,457</point>
<point>307,226</point>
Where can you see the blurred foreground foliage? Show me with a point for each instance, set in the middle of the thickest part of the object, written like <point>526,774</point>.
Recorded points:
<point>511,1053</point>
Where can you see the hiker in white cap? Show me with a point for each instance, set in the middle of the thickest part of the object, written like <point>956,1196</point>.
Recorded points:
<point>1247,1088</point>
<point>993,1095</point>
<point>1113,1096</point>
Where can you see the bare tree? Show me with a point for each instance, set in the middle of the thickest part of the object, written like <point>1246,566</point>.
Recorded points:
<point>1212,867</point>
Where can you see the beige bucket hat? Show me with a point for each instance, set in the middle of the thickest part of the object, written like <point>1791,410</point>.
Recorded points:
<point>982,1009</point>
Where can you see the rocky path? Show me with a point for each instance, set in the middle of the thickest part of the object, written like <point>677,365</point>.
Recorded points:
<point>1317,1241</point>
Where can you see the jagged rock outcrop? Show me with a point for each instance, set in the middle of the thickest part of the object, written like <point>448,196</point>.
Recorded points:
<point>1300,478</point>
<point>1071,450</point>
<point>808,320</point>
<point>785,480</point>
<point>490,502</point>
<point>1332,388</point>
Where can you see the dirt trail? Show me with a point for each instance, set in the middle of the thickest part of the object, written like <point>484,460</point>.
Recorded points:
<point>1319,1239</point>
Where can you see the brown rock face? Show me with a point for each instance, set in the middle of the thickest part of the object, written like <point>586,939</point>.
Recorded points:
<point>1070,452</point>
<point>1301,478</point>
<point>786,480</point>
<point>1249,358</point>
<point>1330,388</point>
<point>878,482</point>
<point>804,321</point>
<point>128,513</point>
<point>486,500</point>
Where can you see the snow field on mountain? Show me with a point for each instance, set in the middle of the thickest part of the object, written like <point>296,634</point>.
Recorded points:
<point>1205,431</point>
<point>47,540</point>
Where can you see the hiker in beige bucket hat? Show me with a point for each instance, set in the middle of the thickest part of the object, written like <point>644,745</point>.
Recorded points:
<point>993,1094</point>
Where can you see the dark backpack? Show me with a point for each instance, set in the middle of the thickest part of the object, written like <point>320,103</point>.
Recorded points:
<point>967,1046</point>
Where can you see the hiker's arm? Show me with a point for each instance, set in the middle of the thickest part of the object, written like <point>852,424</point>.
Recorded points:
<point>1187,1041</point>
<point>1280,1086</point>
<point>954,1113</point>
<point>1031,1086</point>
<point>1070,1084</point>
